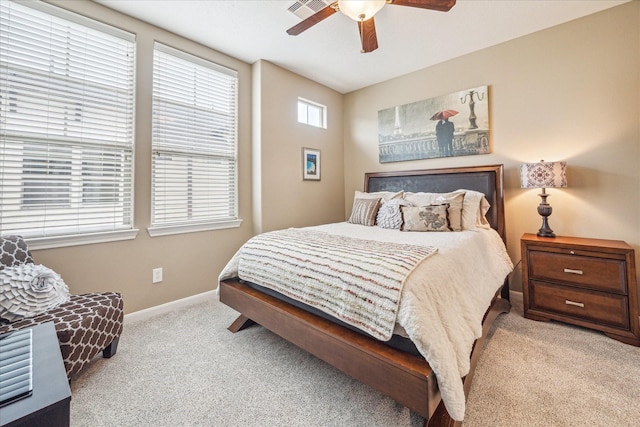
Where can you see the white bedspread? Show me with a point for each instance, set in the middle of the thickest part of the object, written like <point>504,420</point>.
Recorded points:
<point>444,299</point>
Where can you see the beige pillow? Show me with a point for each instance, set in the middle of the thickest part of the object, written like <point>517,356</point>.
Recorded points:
<point>483,222</point>
<point>425,218</point>
<point>364,211</point>
<point>474,208</point>
<point>455,200</point>
<point>384,195</point>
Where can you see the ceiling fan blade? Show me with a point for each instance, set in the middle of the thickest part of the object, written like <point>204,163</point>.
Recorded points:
<point>441,5</point>
<point>368,36</point>
<point>313,19</point>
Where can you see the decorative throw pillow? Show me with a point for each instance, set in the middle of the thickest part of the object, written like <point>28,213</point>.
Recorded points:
<point>27,290</point>
<point>455,199</point>
<point>364,211</point>
<point>13,251</point>
<point>425,218</point>
<point>389,215</point>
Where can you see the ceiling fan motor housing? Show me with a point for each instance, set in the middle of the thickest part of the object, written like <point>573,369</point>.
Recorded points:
<point>360,10</point>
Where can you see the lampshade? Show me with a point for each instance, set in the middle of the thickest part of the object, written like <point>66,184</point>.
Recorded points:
<point>543,175</point>
<point>360,10</point>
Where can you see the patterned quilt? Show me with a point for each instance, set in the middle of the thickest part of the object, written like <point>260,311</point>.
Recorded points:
<point>355,280</point>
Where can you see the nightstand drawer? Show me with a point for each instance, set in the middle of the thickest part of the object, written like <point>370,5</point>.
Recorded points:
<point>587,272</point>
<point>606,309</point>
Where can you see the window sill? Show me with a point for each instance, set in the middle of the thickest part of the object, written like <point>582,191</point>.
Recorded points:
<point>80,239</point>
<point>192,228</point>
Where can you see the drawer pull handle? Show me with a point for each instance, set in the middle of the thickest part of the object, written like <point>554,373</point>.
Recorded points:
<point>569,270</point>
<point>576,304</point>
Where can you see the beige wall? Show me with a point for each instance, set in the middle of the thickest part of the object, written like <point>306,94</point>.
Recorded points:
<point>567,93</point>
<point>191,261</point>
<point>281,198</point>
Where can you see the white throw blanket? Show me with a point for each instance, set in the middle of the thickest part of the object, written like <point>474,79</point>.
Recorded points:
<point>444,299</point>
<point>358,281</point>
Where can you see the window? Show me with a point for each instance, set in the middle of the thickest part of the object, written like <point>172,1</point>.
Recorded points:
<point>194,185</point>
<point>66,126</point>
<point>311,113</point>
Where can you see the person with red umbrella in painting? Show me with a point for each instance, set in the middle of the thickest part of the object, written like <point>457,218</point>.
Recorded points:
<point>444,131</point>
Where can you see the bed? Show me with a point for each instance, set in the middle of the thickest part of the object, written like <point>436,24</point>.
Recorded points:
<point>400,373</point>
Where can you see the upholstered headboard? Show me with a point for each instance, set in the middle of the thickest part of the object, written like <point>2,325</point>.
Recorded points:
<point>486,179</point>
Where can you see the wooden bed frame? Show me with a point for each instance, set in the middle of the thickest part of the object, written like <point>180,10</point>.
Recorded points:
<point>405,378</point>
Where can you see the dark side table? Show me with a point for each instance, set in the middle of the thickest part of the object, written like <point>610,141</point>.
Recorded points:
<point>50,402</point>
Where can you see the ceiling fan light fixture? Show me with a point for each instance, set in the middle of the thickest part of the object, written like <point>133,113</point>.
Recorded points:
<point>360,10</point>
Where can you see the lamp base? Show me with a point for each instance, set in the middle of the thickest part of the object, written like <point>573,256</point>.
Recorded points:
<point>546,233</point>
<point>544,209</point>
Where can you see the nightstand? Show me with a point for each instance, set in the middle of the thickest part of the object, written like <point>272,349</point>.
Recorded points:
<point>585,282</point>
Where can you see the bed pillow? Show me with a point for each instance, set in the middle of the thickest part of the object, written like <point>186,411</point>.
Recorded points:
<point>389,215</point>
<point>384,195</point>
<point>455,200</point>
<point>483,222</point>
<point>364,211</point>
<point>425,218</point>
<point>474,209</point>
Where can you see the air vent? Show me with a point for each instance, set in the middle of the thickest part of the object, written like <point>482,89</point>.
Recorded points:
<point>305,8</point>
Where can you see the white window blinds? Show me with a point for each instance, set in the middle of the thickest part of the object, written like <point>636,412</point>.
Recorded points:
<point>66,123</point>
<point>194,143</point>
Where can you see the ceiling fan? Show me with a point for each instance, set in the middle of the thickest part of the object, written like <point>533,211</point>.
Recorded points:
<point>362,12</point>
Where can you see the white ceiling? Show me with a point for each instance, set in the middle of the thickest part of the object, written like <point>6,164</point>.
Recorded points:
<point>409,39</point>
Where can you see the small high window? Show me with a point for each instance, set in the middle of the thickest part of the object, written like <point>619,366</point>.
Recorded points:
<point>312,113</point>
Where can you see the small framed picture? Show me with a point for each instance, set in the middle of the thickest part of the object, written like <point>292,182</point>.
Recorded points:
<point>310,164</point>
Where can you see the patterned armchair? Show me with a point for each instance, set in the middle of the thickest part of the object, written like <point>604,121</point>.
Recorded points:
<point>86,325</point>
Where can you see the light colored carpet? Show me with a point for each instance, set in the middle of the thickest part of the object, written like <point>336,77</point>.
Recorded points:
<point>185,369</point>
<point>552,374</point>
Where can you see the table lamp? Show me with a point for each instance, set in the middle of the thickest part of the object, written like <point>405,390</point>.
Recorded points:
<point>544,175</point>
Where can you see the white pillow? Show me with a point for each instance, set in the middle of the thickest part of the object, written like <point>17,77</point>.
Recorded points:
<point>389,214</point>
<point>474,208</point>
<point>455,199</point>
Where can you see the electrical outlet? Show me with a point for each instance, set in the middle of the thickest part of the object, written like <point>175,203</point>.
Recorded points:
<point>157,275</point>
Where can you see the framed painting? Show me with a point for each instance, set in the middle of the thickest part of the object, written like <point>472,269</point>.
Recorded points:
<point>310,164</point>
<point>456,124</point>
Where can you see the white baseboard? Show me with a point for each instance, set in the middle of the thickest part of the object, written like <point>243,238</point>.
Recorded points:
<point>138,316</point>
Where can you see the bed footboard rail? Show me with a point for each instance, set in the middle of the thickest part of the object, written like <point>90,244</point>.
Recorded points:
<point>407,379</point>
